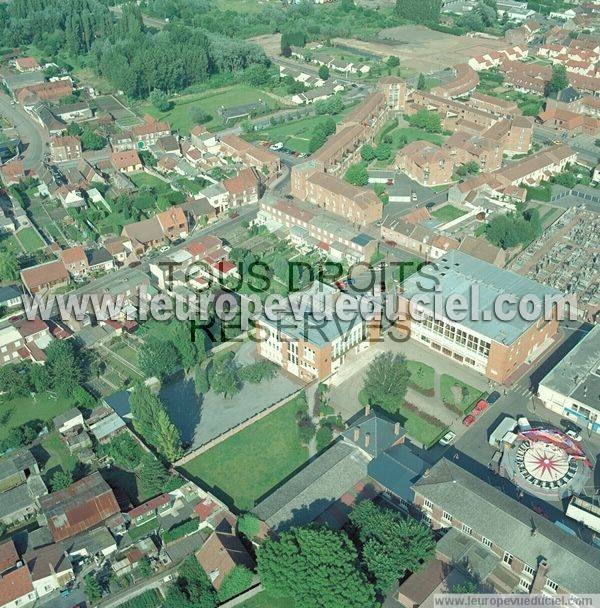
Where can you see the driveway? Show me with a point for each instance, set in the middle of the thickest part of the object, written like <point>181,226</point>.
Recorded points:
<point>32,135</point>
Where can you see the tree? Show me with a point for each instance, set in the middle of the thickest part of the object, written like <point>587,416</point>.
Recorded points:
<point>286,50</point>
<point>315,566</point>
<point>234,583</point>
<point>159,358</point>
<point>144,411</point>
<point>367,153</point>
<point>199,115</point>
<point>92,588</point>
<point>421,84</point>
<point>324,72</point>
<point>427,120</point>
<point>466,587</point>
<point>386,381</point>
<point>357,174</point>
<point>248,525</point>
<point>223,375</point>
<point>201,380</point>
<point>333,105</point>
<point>153,475</point>
<point>60,480</point>
<point>393,61</point>
<point>160,100</point>
<point>64,367</point>
<point>13,383</point>
<point>383,151</point>
<point>91,141</point>
<point>181,337</point>
<point>192,588</point>
<point>419,11</point>
<point>9,267</point>
<point>559,80</point>
<point>255,373</point>
<point>392,545</point>
<point>145,567</point>
<point>168,439</point>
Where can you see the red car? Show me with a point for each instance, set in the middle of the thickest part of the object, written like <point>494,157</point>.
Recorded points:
<point>468,420</point>
<point>481,406</point>
<point>391,243</point>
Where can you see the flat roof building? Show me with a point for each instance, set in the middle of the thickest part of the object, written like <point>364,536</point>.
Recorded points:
<point>572,388</point>
<point>478,336</point>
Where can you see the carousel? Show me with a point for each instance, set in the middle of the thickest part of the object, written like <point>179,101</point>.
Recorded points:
<point>546,463</point>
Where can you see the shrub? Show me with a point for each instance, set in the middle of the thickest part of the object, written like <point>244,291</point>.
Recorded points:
<point>234,583</point>
<point>180,530</point>
<point>324,437</point>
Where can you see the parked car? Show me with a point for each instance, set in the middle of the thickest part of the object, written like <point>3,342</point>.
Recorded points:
<point>480,407</point>
<point>574,435</point>
<point>448,438</point>
<point>468,420</point>
<point>523,424</point>
<point>493,397</point>
<point>277,146</point>
<point>164,248</point>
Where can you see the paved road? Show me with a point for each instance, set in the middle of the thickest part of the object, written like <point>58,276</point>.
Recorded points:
<point>584,145</point>
<point>32,134</point>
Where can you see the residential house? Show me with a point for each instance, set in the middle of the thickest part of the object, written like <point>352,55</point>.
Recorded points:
<point>27,64</point>
<point>244,188</point>
<point>127,161</point>
<point>64,148</point>
<point>100,260</point>
<point>144,235</point>
<point>82,506</point>
<point>10,296</point>
<point>12,172</point>
<point>74,112</point>
<point>50,569</point>
<point>45,277</point>
<point>426,163</point>
<point>67,421</point>
<point>148,133</point>
<point>46,91</point>
<point>173,223</point>
<point>109,427</point>
<point>150,509</point>
<point>168,145</point>
<point>16,587</point>
<point>75,261</point>
<point>222,552</point>
<point>116,247</point>
<point>249,154</point>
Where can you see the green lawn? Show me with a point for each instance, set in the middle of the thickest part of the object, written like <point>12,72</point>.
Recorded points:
<point>29,239</point>
<point>418,428</point>
<point>264,600</point>
<point>421,375</point>
<point>447,213</point>
<point>54,455</point>
<point>17,412</point>
<point>181,116</point>
<point>145,180</point>
<point>137,532</point>
<point>405,135</point>
<point>294,135</point>
<point>253,461</point>
<point>469,394</point>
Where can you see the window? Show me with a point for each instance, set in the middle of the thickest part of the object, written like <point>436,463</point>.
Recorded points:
<point>525,584</point>
<point>427,504</point>
<point>486,541</point>
<point>447,517</point>
<point>508,558</point>
<point>467,529</point>
<point>527,569</point>
<point>551,585</point>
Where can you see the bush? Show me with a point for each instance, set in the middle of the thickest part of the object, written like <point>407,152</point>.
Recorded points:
<point>234,583</point>
<point>248,525</point>
<point>255,373</point>
<point>324,437</point>
<point>180,530</point>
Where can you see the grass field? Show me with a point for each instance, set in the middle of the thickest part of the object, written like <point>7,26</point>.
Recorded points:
<point>418,428</point>
<point>447,213</point>
<point>249,464</point>
<point>181,116</point>
<point>405,135</point>
<point>17,412</point>
<point>294,135</point>
<point>54,455</point>
<point>421,375</point>
<point>30,240</point>
<point>145,180</point>
<point>469,394</point>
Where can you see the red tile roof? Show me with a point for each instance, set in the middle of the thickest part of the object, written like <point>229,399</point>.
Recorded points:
<point>15,585</point>
<point>126,159</point>
<point>150,505</point>
<point>8,555</point>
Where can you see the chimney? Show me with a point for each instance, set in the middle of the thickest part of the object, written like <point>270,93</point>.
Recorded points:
<point>356,433</point>
<point>367,439</point>
<point>539,580</point>
<point>397,429</point>
<point>367,409</point>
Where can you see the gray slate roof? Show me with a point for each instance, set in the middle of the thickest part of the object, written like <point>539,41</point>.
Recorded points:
<point>315,488</point>
<point>16,461</point>
<point>573,564</point>
<point>578,374</point>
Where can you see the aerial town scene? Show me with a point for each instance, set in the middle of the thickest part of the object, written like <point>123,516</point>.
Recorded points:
<point>299,303</point>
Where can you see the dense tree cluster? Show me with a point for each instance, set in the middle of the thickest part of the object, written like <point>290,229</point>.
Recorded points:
<point>427,120</point>
<point>419,11</point>
<point>514,229</point>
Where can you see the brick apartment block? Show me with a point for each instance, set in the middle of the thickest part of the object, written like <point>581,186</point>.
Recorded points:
<point>426,163</point>
<point>356,205</point>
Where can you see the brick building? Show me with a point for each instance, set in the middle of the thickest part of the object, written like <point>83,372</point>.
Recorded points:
<point>356,205</point>
<point>496,348</point>
<point>506,544</point>
<point>426,163</point>
<point>45,277</point>
<point>65,148</point>
<point>313,347</point>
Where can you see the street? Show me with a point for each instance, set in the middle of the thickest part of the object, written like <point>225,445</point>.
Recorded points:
<point>32,135</point>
